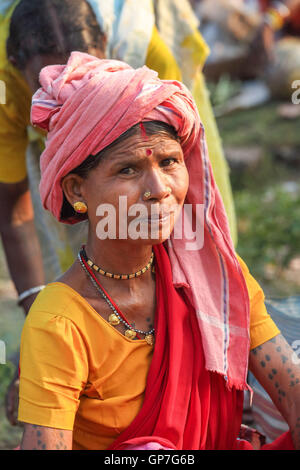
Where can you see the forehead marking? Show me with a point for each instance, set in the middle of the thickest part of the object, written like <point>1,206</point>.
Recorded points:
<point>143,131</point>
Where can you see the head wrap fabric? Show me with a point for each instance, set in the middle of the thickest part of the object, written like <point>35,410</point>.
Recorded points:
<point>86,105</point>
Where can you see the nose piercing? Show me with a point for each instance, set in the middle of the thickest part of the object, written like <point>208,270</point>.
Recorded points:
<point>147,194</point>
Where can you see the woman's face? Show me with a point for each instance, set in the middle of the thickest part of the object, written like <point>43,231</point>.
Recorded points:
<point>138,165</point>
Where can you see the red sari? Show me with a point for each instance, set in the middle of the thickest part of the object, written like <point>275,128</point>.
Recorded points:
<point>185,406</point>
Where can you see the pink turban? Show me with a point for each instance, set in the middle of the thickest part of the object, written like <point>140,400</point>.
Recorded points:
<point>85,105</point>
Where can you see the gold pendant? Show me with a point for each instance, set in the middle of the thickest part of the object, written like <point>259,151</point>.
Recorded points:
<point>149,339</point>
<point>113,319</point>
<point>130,334</point>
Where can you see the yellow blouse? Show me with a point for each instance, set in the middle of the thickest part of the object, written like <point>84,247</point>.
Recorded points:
<point>77,372</point>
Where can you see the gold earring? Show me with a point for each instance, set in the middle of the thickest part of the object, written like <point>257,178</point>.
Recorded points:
<point>169,190</point>
<point>80,207</point>
<point>147,194</point>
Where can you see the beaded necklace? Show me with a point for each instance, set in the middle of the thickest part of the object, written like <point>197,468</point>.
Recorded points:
<point>116,276</point>
<point>116,317</point>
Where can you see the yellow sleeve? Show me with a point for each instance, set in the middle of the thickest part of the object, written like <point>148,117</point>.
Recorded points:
<point>14,119</point>
<point>53,370</point>
<point>262,327</point>
<point>160,58</point>
<point>14,109</point>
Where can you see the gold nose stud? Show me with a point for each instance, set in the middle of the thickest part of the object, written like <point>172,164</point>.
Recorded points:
<point>147,194</point>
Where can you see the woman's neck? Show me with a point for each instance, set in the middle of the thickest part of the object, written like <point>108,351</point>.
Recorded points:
<point>118,256</point>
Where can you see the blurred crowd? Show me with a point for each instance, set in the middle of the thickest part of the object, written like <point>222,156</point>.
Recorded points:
<point>253,39</point>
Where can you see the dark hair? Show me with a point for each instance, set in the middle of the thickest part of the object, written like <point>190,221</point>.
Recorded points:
<point>40,27</point>
<point>92,161</point>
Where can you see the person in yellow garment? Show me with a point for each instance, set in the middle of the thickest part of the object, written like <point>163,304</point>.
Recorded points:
<point>19,69</point>
<point>34,33</point>
<point>34,38</point>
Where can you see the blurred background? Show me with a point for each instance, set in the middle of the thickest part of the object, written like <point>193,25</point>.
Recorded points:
<point>251,73</point>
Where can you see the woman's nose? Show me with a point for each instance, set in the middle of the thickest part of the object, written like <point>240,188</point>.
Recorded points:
<point>157,186</point>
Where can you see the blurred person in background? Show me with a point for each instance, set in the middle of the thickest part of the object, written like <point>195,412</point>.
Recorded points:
<point>34,38</point>
<point>162,35</point>
<point>284,15</point>
<point>252,39</point>
<point>34,33</point>
<point>283,19</point>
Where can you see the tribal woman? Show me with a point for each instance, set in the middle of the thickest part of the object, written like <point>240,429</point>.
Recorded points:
<point>145,342</point>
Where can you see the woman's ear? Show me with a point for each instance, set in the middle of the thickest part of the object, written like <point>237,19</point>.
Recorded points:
<point>72,186</point>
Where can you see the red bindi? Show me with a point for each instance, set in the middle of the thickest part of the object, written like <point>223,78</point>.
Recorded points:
<point>148,152</point>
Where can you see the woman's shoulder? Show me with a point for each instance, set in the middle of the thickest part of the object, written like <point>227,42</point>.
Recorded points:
<point>254,289</point>
<point>58,299</point>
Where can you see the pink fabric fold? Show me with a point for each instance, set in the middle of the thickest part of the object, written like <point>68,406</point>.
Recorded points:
<point>86,105</point>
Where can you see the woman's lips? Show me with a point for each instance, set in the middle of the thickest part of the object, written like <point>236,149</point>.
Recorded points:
<point>157,217</point>
<point>160,216</point>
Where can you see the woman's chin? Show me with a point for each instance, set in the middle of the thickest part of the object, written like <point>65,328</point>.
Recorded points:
<point>149,240</point>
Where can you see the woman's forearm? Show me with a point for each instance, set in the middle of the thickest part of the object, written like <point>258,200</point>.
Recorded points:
<point>24,259</point>
<point>20,240</point>
<point>276,367</point>
<point>43,438</point>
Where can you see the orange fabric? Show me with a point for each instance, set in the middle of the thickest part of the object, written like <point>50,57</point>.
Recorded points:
<point>81,366</point>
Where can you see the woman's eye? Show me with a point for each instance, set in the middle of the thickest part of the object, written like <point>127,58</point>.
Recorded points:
<point>127,171</point>
<point>169,161</point>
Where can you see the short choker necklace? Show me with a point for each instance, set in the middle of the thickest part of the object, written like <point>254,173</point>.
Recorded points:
<point>116,276</point>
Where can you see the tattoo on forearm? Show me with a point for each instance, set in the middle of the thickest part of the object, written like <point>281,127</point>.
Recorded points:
<point>274,367</point>
<point>264,360</point>
<point>254,352</point>
<point>42,438</point>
